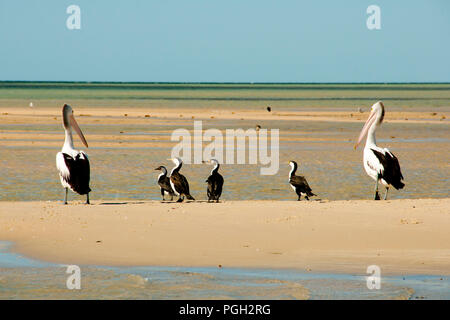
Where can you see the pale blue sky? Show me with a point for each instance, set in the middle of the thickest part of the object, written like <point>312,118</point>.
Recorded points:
<point>225,41</point>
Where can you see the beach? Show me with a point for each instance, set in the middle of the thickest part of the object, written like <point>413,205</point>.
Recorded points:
<point>133,124</point>
<point>400,236</point>
<point>258,235</point>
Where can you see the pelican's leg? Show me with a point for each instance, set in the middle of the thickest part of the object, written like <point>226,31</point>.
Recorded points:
<point>385,195</point>
<point>65,196</point>
<point>87,198</point>
<point>377,196</point>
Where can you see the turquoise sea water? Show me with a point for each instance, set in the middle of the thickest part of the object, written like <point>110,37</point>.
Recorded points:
<point>23,278</point>
<point>243,95</point>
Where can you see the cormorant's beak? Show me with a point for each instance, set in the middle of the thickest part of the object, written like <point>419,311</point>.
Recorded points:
<point>157,169</point>
<point>77,129</point>
<point>365,129</point>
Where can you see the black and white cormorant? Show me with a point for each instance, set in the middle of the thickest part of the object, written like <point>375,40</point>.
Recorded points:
<point>299,183</point>
<point>73,165</point>
<point>179,182</point>
<point>380,163</point>
<point>164,183</point>
<point>215,182</point>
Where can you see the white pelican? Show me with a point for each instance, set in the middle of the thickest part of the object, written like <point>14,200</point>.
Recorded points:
<point>179,182</point>
<point>379,163</point>
<point>73,165</point>
<point>215,182</point>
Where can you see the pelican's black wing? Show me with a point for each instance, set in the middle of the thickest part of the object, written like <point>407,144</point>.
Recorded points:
<point>392,173</point>
<point>80,172</point>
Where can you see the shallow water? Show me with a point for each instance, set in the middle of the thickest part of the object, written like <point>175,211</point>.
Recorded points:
<point>332,168</point>
<point>323,149</point>
<point>22,278</point>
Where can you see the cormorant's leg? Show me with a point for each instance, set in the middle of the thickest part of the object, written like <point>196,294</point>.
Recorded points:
<point>377,196</point>
<point>299,197</point>
<point>171,197</point>
<point>162,194</point>
<point>65,196</point>
<point>87,198</point>
<point>180,199</point>
<point>306,197</point>
<point>385,195</point>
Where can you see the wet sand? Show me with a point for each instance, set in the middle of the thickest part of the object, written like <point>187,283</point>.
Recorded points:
<point>400,236</point>
<point>320,140</point>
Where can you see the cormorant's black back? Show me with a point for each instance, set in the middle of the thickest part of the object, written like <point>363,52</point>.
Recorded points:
<point>164,183</point>
<point>181,184</point>
<point>215,185</point>
<point>301,185</point>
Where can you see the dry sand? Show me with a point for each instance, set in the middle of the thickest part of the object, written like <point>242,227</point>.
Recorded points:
<point>401,236</point>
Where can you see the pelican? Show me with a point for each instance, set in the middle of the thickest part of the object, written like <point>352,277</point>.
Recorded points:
<point>179,182</point>
<point>164,183</point>
<point>215,182</point>
<point>380,163</point>
<point>299,183</point>
<point>73,165</point>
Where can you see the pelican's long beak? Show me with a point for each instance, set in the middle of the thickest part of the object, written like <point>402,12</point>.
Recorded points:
<point>75,126</point>
<point>365,129</point>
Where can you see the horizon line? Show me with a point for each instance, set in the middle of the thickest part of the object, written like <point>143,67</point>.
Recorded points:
<point>210,82</point>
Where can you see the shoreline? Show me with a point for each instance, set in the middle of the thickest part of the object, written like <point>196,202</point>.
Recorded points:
<point>408,236</point>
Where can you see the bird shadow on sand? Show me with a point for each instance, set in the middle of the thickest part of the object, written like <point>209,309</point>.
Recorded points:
<point>119,203</point>
<point>189,201</point>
